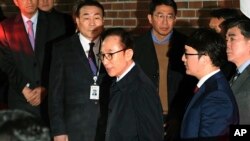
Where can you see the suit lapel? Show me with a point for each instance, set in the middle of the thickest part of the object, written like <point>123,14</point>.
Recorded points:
<point>41,36</point>
<point>78,49</point>
<point>21,37</point>
<point>204,88</point>
<point>194,98</point>
<point>243,76</point>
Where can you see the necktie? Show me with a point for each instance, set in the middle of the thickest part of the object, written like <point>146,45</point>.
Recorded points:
<point>91,58</point>
<point>236,75</point>
<point>31,33</point>
<point>196,89</point>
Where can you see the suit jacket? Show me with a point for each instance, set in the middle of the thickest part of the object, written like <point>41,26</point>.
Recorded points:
<point>145,56</point>
<point>211,111</point>
<point>71,110</point>
<point>68,20</point>
<point>25,64</point>
<point>180,86</point>
<point>3,78</point>
<point>135,112</point>
<point>3,90</point>
<point>241,92</point>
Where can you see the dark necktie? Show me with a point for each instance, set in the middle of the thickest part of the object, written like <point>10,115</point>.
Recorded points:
<point>235,76</point>
<point>91,58</point>
<point>196,89</point>
<point>31,33</point>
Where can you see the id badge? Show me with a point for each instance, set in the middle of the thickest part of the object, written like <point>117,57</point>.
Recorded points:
<point>94,92</point>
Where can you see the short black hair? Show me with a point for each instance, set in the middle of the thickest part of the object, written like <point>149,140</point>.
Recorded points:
<point>126,37</point>
<point>225,13</point>
<point>207,41</point>
<point>80,3</point>
<point>242,23</point>
<point>155,3</point>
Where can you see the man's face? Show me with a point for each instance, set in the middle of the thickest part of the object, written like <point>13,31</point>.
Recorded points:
<point>118,62</point>
<point>27,7</point>
<point>193,62</point>
<point>90,22</point>
<point>46,5</point>
<point>162,21</point>
<point>238,47</point>
<point>214,23</point>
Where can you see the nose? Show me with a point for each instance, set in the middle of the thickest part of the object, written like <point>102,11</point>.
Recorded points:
<point>92,21</point>
<point>183,58</point>
<point>228,43</point>
<point>104,61</point>
<point>165,20</point>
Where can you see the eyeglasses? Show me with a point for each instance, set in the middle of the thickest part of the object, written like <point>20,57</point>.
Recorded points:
<point>191,54</point>
<point>162,16</point>
<point>108,56</point>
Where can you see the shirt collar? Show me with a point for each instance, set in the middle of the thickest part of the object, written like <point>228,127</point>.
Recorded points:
<point>85,43</point>
<point>125,72</point>
<point>164,41</point>
<point>33,18</point>
<point>204,78</point>
<point>242,67</point>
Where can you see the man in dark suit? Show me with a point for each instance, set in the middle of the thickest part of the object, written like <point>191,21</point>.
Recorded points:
<point>48,6</point>
<point>213,107</point>
<point>3,78</point>
<point>238,52</point>
<point>76,111</point>
<point>26,56</point>
<point>159,53</point>
<point>135,112</point>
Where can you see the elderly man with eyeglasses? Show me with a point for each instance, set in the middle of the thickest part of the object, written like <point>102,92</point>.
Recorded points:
<point>135,112</point>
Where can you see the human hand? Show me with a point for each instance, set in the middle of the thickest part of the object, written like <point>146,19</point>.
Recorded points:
<point>35,96</point>
<point>61,138</point>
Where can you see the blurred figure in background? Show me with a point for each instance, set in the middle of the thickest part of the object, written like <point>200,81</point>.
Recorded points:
<point>48,6</point>
<point>17,125</point>
<point>218,16</point>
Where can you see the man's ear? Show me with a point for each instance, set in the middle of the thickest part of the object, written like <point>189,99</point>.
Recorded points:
<point>129,54</point>
<point>150,18</point>
<point>248,44</point>
<point>15,2</point>
<point>205,59</point>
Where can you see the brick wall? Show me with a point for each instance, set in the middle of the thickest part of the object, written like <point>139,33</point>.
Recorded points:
<point>131,14</point>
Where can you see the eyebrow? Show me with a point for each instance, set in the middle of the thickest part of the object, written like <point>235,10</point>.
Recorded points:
<point>231,34</point>
<point>164,13</point>
<point>88,14</point>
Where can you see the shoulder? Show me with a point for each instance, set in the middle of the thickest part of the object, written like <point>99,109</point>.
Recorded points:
<point>56,14</point>
<point>143,37</point>
<point>143,42</point>
<point>178,37</point>
<point>217,86</point>
<point>68,41</point>
<point>11,20</point>
<point>143,79</point>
